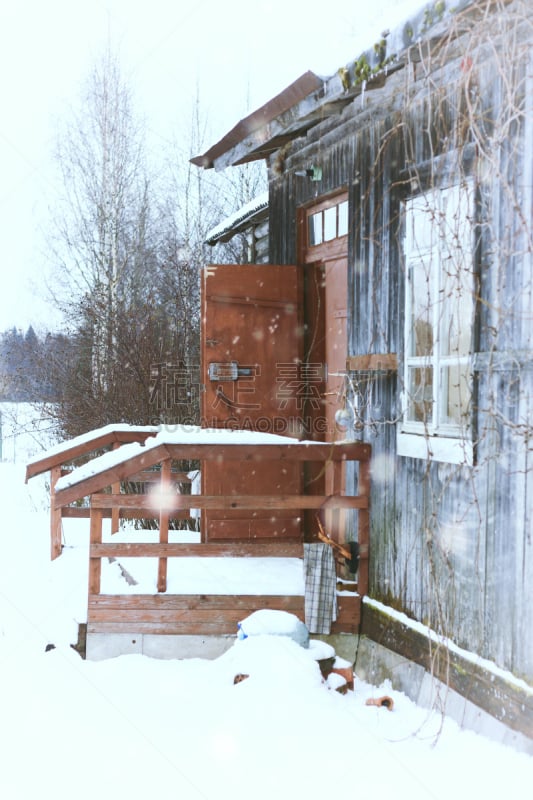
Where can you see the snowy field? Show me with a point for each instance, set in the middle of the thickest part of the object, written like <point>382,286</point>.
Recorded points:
<point>134,727</point>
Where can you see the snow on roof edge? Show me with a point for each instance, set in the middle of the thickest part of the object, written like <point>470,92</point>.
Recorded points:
<point>175,434</point>
<point>89,436</point>
<point>241,215</point>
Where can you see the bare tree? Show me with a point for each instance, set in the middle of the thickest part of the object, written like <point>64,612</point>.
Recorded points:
<point>128,293</point>
<point>103,218</point>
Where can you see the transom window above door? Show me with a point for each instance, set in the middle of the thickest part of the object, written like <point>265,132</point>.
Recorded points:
<point>326,223</point>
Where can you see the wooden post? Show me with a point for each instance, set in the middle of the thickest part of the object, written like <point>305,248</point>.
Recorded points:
<point>55,515</point>
<point>163,523</point>
<point>95,564</point>
<point>363,528</point>
<point>338,516</point>
<point>339,485</point>
<point>334,484</point>
<point>115,512</point>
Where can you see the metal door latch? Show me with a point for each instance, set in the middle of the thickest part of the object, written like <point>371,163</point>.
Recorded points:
<point>228,371</point>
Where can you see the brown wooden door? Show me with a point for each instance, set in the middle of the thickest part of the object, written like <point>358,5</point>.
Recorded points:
<point>323,243</point>
<point>336,352</point>
<point>335,340</point>
<point>251,356</point>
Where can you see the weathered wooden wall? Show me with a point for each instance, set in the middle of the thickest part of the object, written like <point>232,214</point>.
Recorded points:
<point>450,544</point>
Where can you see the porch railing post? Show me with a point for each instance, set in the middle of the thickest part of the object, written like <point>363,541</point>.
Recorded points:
<point>95,564</point>
<point>165,486</point>
<point>115,511</point>
<point>55,515</point>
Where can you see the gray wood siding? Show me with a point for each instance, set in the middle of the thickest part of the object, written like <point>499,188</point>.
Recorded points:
<point>450,544</point>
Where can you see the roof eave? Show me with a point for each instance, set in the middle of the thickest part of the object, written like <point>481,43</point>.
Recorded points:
<point>253,126</point>
<point>310,99</point>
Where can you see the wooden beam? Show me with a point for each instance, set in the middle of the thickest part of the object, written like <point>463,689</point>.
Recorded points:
<point>84,512</point>
<point>236,549</point>
<point>76,450</point>
<point>373,362</point>
<point>503,699</point>
<point>303,451</point>
<point>117,473</point>
<point>78,512</point>
<point>154,476</point>
<point>134,603</point>
<point>228,502</point>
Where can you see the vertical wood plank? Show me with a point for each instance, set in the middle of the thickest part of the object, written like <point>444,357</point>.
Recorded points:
<point>336,517</point>
<point>55,516</point>
<point>95,564</point>
<point>115,512</point>
<point>165,487</point>
<point>363,527</point>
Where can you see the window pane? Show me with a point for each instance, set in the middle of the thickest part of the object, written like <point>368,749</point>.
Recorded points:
<point>330,224</point>
<point>420,398</point>
<point>421,323</point>
<point>457,210</point>
<point>440,305</point>
<point>421,232</point>
<point>343,218</point>
<point>314,223</point>
<point>456,309</point>
<point>455,394</point>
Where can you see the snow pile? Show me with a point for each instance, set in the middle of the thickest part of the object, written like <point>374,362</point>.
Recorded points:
<point>274,623</point>
<point>271,660</point>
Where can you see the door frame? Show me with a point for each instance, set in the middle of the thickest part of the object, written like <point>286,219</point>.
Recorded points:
<point>315,259</point>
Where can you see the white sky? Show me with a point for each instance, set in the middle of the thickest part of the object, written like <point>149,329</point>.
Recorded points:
<point>239,53</point>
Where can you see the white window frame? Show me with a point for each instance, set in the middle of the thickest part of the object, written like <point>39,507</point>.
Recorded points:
<point>439,245</point>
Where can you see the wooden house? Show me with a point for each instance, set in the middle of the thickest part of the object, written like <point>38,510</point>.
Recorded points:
<point>401,226</point>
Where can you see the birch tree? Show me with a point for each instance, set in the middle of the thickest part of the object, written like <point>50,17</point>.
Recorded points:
<point>103,218</point>
<point>117,260</point>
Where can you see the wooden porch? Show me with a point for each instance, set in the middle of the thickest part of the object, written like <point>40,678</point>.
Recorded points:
<point>63,459</point>
<point>170,612</point>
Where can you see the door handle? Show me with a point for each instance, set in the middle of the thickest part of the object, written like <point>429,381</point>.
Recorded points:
<point>228,371</point>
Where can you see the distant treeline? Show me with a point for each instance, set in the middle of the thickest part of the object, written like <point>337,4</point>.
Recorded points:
<point>31,367</point>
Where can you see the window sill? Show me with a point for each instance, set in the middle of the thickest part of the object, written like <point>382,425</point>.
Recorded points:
<point>435,448</point>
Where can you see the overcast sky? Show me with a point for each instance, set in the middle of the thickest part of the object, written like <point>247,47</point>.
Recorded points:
<point>239,53</point>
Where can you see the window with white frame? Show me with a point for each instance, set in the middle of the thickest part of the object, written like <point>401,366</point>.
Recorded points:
<point>439,316</point>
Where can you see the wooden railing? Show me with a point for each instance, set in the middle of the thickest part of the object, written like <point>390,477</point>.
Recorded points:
<point>59,462</point>
<point>332,455</point>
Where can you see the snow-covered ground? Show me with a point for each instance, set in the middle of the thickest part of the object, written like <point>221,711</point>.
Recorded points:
<point>134,727</point>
